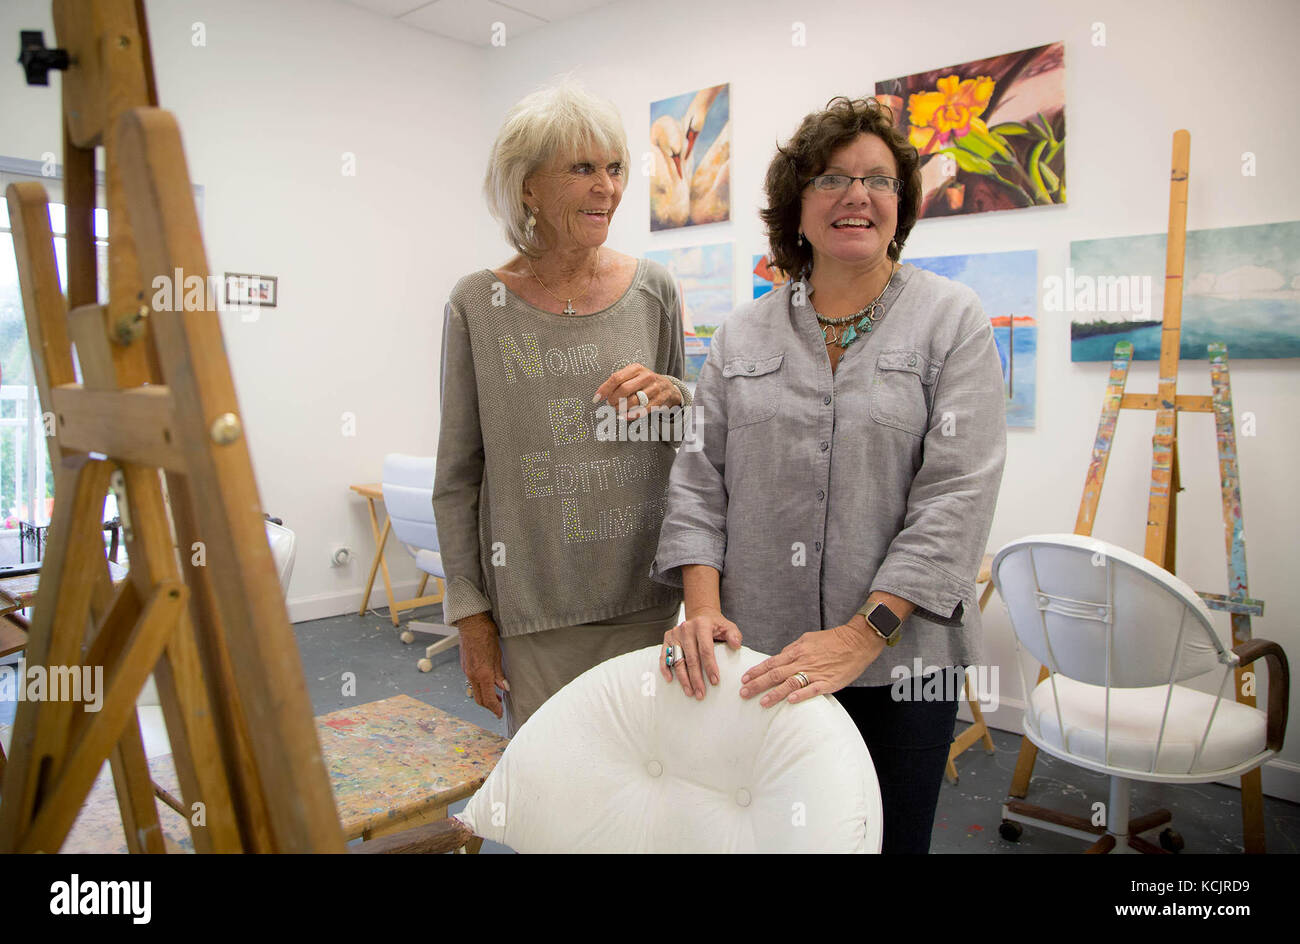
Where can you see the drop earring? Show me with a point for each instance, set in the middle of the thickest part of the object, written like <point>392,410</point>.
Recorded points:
<point>801,238</point>
<point>531,224</point>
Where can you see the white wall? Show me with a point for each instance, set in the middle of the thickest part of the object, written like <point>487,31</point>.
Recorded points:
<point>283,89</point>
<point>1214,68</point>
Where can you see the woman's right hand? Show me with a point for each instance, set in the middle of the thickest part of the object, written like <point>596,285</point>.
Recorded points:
<point>480,659</point>
<point>694,640</point>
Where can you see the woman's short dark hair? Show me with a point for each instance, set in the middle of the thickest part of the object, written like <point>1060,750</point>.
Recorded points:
<point>806,155</point>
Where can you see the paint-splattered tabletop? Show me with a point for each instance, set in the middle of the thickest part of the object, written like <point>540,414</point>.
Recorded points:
<point>394,759</point>
<point>388,760</point>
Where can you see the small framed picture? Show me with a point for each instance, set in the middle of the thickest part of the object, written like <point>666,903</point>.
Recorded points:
<point>244,289</point>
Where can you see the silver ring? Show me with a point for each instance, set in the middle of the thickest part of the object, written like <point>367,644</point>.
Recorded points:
<point>642,398</point>
<point>671,659</point>
<point>801,679</point>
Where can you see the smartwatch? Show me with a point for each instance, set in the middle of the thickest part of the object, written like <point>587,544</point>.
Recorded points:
<point>887,626</point>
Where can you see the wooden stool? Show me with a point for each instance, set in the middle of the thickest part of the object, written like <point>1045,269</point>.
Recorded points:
<point>979,730</point>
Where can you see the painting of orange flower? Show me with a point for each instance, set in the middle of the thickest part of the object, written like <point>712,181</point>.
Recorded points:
<point>991,133</point>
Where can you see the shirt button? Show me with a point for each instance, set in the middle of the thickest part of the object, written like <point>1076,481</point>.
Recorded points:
<point>825,446</point>
<point>826,400</point>
<point>821,496</point>
<point>749,368</point>
<point>911,361</point>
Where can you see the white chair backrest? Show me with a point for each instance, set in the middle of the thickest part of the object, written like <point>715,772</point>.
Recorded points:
<point>1103,615</point>
<point>408,499</point>
<point>618,761</point>
<point>283,551</point>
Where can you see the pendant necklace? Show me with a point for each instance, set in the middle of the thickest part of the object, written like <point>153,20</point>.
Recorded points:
<point>568,306</point>
<point>844,331</point>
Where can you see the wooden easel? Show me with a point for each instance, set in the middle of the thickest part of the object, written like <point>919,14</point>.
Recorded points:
<point>1162,506</point>
<point>157,399</point>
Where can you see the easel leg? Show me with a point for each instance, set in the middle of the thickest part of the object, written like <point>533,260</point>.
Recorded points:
<point>135,792</point>
<point>1028,755</point>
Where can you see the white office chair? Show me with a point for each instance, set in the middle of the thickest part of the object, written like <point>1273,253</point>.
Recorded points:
<point>620,761</point>
<point>408,499</point>
<point>1118,635</point>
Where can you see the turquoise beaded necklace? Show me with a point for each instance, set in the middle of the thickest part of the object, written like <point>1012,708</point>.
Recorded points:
<point>856,324</point>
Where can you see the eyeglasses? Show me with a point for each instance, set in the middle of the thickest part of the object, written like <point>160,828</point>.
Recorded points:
<point>876,183</point>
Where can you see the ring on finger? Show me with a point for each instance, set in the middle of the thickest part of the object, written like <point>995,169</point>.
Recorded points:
<point>641,398</point>
<point>672,657</point>
<point>801,679</point>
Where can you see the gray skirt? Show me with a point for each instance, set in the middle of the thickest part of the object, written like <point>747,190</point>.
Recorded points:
<point>537,665</point>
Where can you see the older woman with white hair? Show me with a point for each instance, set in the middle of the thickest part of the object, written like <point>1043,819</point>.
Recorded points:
<point>547,524</point>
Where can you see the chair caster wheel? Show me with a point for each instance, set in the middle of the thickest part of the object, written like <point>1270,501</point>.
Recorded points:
<point>407,636</point>
<point>1171,841</point>
<point>1010,830</point>
<point>426,665</point>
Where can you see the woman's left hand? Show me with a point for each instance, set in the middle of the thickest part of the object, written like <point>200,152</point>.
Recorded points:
<point>624,383</point>
<point>830,659</point>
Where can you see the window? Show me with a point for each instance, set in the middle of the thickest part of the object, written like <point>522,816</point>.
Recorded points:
<point>26,479</point>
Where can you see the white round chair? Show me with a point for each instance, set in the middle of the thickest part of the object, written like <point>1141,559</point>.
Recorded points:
<point>620,761</point>
<point>1119,637</point>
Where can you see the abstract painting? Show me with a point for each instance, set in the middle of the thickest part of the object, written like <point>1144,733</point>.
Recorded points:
<point>766,275</point>
<point>690,141</point>
<point>991,133</point>
<point>1007,286</point>
<point>1241,286</point>
<point>705,282</point>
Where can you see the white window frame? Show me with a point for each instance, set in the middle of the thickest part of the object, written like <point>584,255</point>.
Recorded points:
<point>35,460</point>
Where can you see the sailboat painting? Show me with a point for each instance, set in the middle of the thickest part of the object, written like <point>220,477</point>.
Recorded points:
<point>1241,286</point>
<point>704,277</point>
<point>690,143</point>
<point>1007,286</point>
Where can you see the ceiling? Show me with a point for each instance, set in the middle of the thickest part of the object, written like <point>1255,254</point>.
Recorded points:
<point>471,21</point>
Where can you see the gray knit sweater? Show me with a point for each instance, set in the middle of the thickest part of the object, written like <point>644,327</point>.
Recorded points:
<point>540,521</point>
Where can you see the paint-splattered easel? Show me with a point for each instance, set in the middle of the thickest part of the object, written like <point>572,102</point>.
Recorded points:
<point>1162,506</point>
<point>157,399</point>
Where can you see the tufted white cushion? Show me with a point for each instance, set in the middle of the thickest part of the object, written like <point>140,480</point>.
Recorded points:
<point>620,761</point>
<point>1237,735</point>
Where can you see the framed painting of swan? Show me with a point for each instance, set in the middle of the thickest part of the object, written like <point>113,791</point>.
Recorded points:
<point>991,132</point>
<point>690,141</point>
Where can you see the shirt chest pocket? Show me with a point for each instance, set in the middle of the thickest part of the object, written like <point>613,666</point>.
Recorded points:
<point>755,385</point>
<point>902,390</point>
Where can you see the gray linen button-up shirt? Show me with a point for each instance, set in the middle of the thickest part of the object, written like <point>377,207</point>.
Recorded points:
<point>809,490</point>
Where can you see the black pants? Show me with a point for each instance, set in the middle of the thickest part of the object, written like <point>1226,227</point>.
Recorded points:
<point>909,742</point>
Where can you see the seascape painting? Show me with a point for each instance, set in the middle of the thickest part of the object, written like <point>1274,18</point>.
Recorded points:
<point>766,275</point>
<point>991,133</point>
<point>1241,286</point>
<point>704,279</point>
<point>1007,286</point>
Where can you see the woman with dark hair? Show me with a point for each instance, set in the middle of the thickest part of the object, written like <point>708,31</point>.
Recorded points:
<point>841,491</point>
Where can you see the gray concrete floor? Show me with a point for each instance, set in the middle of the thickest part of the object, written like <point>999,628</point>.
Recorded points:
<point>1207,815</point>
